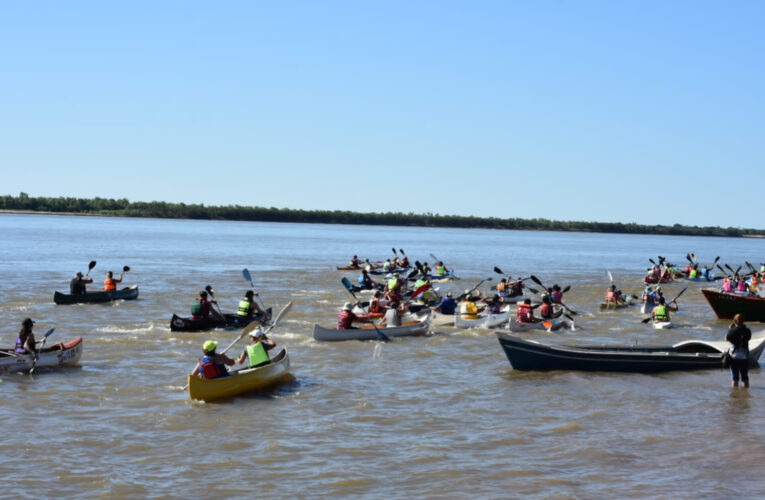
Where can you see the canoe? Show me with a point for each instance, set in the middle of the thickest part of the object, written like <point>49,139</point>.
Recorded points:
<point>241,381</point>
<point>547,325</point>
<point>434,278</point>
<point>726,305</point>
<point>687,355</point>
<point>127,293</point>
<point>367,332</point>
<point>440,319</point>
<point>701,278</point>
<point>487,321</point>
<point>232,321</point>
<point>360,268</point>
<point>400,270</point>
<point>610,306</point>
<point>652,280</point>
<point>662,325</point>
<point>63,354</point>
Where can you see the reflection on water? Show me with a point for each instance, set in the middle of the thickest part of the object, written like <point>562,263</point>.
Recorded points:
<point>438,416</point>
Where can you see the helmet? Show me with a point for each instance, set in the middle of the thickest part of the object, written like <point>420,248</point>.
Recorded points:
<point>209,346</point>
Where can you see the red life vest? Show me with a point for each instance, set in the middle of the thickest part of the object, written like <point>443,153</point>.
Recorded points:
<point>524,313</point>
<point>374,306</point>
<point>344,320</point>
<point>545,311</point>
<point>210,369</point>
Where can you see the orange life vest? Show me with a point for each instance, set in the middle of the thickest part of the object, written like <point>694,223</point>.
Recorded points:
<point>109,285</point>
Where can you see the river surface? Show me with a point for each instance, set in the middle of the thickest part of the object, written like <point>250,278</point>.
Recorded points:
<point>441,416</point>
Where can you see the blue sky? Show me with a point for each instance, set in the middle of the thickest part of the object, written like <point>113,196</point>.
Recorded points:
<point>648,112</point>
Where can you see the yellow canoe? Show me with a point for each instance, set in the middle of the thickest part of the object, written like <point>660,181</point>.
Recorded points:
<point>241,381</point>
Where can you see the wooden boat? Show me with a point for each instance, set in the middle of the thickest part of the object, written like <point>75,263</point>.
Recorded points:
<point>241,381</point>
<point>127,293</point>
<point>610,306</point>
<point>63,354</point>
<point>230,321</point>
<point>687,355</point>
<point>487,321</point>
<point>547,325</point>
<point>368,332</point>
<point>726,305</point>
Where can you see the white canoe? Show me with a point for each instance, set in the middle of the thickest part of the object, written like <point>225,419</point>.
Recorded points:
<point>440,319</point>
<point>662,325</point>
<point>368,332</point>
<point>549,325</point>
<point>488,321</point>
<point>56,355</point>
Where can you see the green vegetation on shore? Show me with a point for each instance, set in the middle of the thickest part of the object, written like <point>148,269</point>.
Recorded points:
<point>160,209</point>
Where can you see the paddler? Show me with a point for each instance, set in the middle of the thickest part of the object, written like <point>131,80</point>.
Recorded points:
<point>212,365</point>
<point>441,269</point>
<point>387,265</point>
<point>447,305</point>
<point>248,307</point>
<point>110,283</point>
<point>525,312</point>
<point>366,282</point>
<point>256,352</point>
<point>613,296</point>
<point>393,315</point>
<point>556,296</point>
<point>650,297</point>
<point>345,316</point>
<point>468,307</point>
<point>404,264</point>
<point>77,285</point>
<point>202,307</point>
<point>546,309</point>
<point>354,262</point>
<point>25,342</point>
<point>660,313</point>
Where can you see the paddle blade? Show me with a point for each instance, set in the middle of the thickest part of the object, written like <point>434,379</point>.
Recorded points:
<point>536,280</point>
<point>610,276</point>
<point>394,252</point>
<point>91,265</point>
<point>49,333</point>
<point>125,269</point>
<point>568,287</point>
<point>285,310</point>
<point>247,276</point>
<point>652,261</point>
<point>347,284</point>
<point>646,320</point>
<point>434,258</point>
<point>498,270</point>
<point>402,251</point>
<point>547,324</point>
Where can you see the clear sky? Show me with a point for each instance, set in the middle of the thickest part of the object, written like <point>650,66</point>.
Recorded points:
<point>648,112</point>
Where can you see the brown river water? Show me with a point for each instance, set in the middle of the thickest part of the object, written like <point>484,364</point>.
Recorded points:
<point>442,416</point>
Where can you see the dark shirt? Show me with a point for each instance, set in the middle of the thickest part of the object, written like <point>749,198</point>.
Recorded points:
<point>447,305</point>
<point>739,336</point>
<point>77,286</point>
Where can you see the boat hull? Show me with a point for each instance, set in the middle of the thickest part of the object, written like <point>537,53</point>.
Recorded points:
<point>488,321</point>
<point>128,293</point>
<point>231,322</point>
<point>242,381</point>
<point>727,305</point>
<point>368,332</point>
<point>527,355</point>
<point>64,354</point>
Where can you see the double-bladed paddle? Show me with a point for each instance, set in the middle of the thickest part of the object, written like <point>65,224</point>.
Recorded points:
<point>646,320</point>
<point>348,286</point>
<point>462,297</point>
<point>247,276</point>
<point>37,356</point>
<point>538,282</point>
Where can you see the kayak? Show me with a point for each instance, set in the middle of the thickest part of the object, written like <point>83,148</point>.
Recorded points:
<point>662,325</point>
<point>63,354</point>
<point>127,293</point>
<point>488,321</point>
<point>604,306</point>
<point>703,279</point>
<point>399,270</point>
<point>548,325</point>
<point>368,332</point>
<point>351,268</point>
<point>652,280</point>
<point>241,381</point>
<point>230,321</point>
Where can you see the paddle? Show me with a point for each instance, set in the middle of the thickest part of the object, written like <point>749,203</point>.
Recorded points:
<point>652,261</point>
<point>729,268</point>
<point>348,286</point>
<point>34,362</point>
<point>125,269</point>
<point>394,252</point>
<point>462,297</point>
<point>90,267</point>
<point>419,290</point>
<point>538,282</point>
<point>435,258</point>
<point>646,320</point>
<point>248,277</point>
<point>210,290</point>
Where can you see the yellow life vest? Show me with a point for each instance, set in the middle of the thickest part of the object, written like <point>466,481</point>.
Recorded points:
<point>257,354</point>
<point>469,310</point>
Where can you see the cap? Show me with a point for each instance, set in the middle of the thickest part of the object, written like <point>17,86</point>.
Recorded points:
<point>257,333</point>
<point>347,306</point>
<point>209,346</point>
<point>389,276</point>
<point>28,321</point>
<point>448,294</point>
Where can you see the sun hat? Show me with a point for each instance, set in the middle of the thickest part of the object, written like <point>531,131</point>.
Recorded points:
<point>209,346</point>
<point>347,306</point>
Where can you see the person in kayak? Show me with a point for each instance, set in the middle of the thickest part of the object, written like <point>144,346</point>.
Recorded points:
<point>393,315</point>
<point>739,336</point>
<point>650,297</point>
<point>447,305</point>
<point>77,285</point>
<point>525,312</point>
<point>201,308</point>
<point>248,307</point>
<point>494,304</point>
<point>110,283</point>
<point>375,305</point>
<point>613,296</point>
<point>212,365</point>
<point>468,307</point>
<point>25,342</point>
<point>355,262</point>
<point>404,263</point>
<point>546,309</point>
<point>660,313</point>
<point>366,282</point>
<point>387,266</point>
<point>345,317</point>
<point>257,352</point>
<point>441,269</point>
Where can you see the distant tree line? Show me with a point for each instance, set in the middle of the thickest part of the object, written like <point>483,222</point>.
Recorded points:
<point>160,209</point>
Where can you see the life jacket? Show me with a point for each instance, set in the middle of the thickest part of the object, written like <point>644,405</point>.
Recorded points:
<point>392,283</point>
<point>693,274</point>
<point>257,354</point>
<point>441,270</point>
<point>545,310</point>
<point>755,280</point>
<point>501,286</point>
<point>468,310</point>
<point>660,314</point>
<point>198,308</point>
<point>556,297</point>
<point>404,262</point>
<point>727,286</point>
<point>354,263</point>
<point>762,268</point>
<point>741,287</point>
<point>375,306</point>
<point>610,296</point>
<point>429,296</point>
<point>19,349</point>
<point>386,266</point>
<point>210,369</point>
<point>344,320</point>
<point>524,313</point>
<point>688,269</point>
<point>109,285</point>
<point>245,306</point>
<point>419,283</point>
